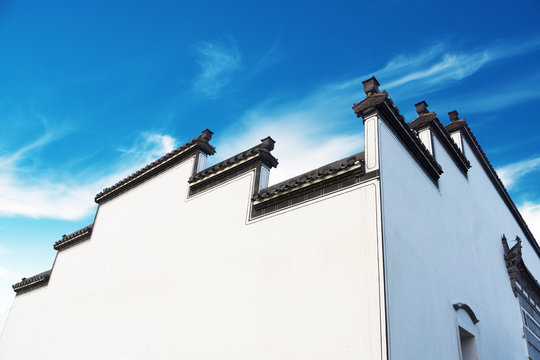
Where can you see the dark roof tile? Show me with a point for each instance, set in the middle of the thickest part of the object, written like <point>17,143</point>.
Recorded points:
<point>32,282</point>
<point>263,149</point>
<point>157,166</point>
<point>310,176</point>
<point>426,119</point>
<point>376,100</point>
<point>74,237</point>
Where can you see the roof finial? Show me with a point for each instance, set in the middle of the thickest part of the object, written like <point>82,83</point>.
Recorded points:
<point>421,107</point>
<point>267,143</point>
<point>206,135</point>
<point>371,86</point>
<point>453,115</point>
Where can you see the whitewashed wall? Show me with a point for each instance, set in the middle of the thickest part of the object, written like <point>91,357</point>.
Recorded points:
<point>443,246</point>
<point>166,277</point>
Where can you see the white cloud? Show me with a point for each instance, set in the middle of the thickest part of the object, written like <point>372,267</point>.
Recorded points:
<point>508,92</point>
<point>34,196</point>
<point>319,127</point>
<point>310,131</point>
<point>300,145</point>
<point>149,146</point>
<point>218,62</point>
<point>7,274</point>
<point>440,66</point>
<point>448,68</point>
<point>531,214</point>
<point>510,174</point>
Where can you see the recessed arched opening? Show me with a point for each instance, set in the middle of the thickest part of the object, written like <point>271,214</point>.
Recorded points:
<point>467,332</point>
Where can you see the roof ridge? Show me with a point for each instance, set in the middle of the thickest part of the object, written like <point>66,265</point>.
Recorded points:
<point>159,164</point>
<point>266,145</point>
<point>309,176</point>
<point>431,117</point>
<point>375,100</point>
<point>74,236</point>
<point>32,281</point>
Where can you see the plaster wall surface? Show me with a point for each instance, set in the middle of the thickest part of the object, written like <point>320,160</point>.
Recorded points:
<point>167,277</point>
<point>443,246</point>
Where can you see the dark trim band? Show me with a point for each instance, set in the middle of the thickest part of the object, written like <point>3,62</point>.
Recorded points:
<point>32,282</point>
<point>74,238</point>
<point>191,148</point>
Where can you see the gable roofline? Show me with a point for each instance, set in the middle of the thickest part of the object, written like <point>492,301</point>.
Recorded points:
<point>462,126</point>
<point>427,119</point>
<point>321,173</point>
<point>261,150</point>
<point>74,238</point>
<point>380,101</point>
<point>198,144</point>
<point>312,186</point>
<point>253,159</point>
<point>33,282</point>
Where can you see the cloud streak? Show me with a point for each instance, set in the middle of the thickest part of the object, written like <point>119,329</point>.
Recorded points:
<point>218,62</point>
<point>315,128</point>
<point>30,195</point>
<point>531,214</point>
<point>440,66</point>
<point>321,118</point>
<point>500,98</point>
<point>512,173</point>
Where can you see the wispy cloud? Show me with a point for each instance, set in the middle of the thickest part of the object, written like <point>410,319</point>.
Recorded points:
<point>531,214</point>
<point>149,146</point>
<point>310,131</point>
<point>49,135</point>
<point>510,92</point>
<point>315,128</point>
<point>441,65</point>
<point>31,195</point>
<point>302,145</point>
<point>8,274</point>
<point>272,56</point>
<point>322,120</point>
<point>218,62</point>
<point>510,174</point>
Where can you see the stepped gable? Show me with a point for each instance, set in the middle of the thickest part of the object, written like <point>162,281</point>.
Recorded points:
<point>262,150</point>
<point>32,282</point>
<point>200,143</point>
<point>427,118</point>
<point>380,101</point>
<point>324,172</point>
<point>74,238</point>
<point>461,125</point>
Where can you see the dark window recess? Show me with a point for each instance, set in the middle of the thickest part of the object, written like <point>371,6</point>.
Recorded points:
<point>468,346</point>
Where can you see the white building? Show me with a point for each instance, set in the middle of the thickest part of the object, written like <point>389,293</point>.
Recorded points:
<point>394,253</point>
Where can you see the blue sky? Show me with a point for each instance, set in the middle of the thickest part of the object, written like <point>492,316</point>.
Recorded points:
<point>90,91</point>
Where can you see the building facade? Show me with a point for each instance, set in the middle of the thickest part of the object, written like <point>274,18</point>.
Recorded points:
<point>398,252</point>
